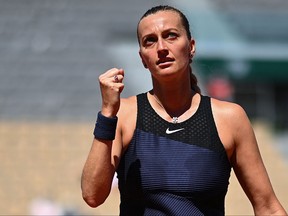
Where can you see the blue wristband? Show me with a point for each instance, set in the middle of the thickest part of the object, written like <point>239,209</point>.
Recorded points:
<point>105,128</point>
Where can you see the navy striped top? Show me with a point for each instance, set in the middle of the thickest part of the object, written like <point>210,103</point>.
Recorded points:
<point>174,169</point>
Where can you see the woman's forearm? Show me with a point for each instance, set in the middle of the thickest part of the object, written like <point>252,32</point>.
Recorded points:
<point>98,173</point>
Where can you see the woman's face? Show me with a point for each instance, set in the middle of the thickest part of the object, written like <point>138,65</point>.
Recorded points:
<point>164,46</point>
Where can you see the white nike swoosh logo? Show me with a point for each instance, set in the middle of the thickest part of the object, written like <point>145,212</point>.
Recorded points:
<point>168,131</point>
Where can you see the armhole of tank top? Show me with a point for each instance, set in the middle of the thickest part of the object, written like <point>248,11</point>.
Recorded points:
<point>213,125</point>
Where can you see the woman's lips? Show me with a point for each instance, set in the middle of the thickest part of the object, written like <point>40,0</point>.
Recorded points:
<point>164,61</point>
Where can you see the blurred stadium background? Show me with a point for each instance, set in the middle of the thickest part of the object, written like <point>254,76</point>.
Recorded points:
<point>52,52</point>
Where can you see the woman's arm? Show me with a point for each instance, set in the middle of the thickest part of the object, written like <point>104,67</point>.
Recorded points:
<point>249,167</point>
<point>103,158</point>
<point>99,170</point>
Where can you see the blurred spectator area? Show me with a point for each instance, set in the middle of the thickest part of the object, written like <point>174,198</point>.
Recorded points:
<point>51,53</point>
<point>246,43</point>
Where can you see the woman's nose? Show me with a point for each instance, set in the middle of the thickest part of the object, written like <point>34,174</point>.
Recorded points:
<point>161,45</point>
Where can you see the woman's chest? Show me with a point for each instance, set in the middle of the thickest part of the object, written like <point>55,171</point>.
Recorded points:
<point>158,163</point>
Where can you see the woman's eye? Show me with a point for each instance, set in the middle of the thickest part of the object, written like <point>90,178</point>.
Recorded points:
<point>148,41</point>
<point>172,35</point>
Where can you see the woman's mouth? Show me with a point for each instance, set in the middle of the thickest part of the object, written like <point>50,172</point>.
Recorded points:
<point>164,61</point>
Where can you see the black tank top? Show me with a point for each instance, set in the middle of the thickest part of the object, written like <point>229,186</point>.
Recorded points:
<point>174,169</point>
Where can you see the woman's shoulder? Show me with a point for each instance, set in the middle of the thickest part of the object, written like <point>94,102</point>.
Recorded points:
<point>128,106</point>
<point>226,108</point>
<point>230,114</point>
<point>232,123</point>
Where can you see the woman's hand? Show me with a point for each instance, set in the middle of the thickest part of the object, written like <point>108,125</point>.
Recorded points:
<point>111,85</point>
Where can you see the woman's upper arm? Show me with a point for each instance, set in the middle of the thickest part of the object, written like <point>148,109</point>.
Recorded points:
<point>125,128</point>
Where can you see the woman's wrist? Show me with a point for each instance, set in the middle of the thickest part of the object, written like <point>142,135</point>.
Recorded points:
<point>105,127</point>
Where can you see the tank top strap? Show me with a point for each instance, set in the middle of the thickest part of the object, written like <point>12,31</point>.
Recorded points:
<point>141,103</point>
<point>140,109</point>
<point>206,108</point>
<point>144,111</point>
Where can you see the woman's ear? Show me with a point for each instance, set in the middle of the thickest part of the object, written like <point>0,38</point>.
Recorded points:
<point>143,62</point>
<point>192,48</point>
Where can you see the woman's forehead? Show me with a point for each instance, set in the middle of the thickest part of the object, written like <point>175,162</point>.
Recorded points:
<point>160,20</point>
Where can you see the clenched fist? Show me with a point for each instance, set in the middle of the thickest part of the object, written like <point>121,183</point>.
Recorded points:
<point>111,86</point>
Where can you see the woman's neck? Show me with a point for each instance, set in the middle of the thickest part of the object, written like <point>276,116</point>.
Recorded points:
<point>174,99</point>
